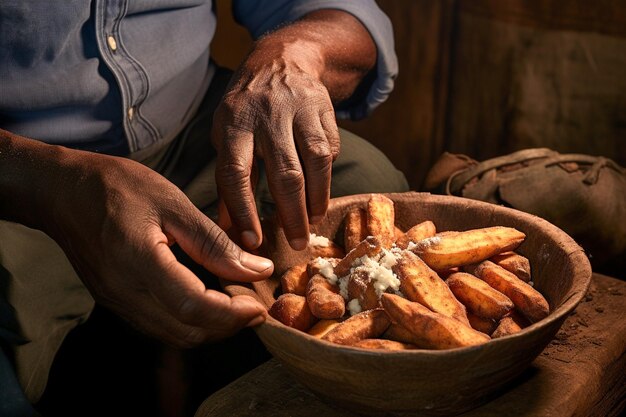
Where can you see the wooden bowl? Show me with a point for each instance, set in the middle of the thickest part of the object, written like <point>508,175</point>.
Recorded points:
<point>428,382</point>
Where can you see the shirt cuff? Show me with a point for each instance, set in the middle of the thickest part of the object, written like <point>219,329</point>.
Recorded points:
<point>278,13</point>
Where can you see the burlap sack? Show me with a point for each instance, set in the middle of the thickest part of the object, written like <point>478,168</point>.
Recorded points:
<point>583,195</point>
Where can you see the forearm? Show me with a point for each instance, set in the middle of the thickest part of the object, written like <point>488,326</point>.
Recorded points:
<point>27,169</point>
<point>331,45</point>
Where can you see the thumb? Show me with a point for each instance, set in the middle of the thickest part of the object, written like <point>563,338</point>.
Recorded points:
<point>208,245</point>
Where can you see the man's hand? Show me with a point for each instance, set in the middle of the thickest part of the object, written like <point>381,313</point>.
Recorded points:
<point>279,107</point>
<point>116,219</point>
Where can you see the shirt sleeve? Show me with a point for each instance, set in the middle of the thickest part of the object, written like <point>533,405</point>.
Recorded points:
<point>262,16</point>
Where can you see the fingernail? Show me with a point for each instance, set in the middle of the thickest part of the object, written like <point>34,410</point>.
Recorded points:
<point>256,321</point>
<point>255,263</point>
<point>250,239</point>
<point>299,243</point>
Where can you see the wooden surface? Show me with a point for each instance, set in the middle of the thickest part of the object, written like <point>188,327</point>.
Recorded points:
<point>581,373</point>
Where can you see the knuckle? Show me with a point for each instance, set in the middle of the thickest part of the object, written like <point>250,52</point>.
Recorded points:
<point>233,111</point>
<point>227,108</point>
<point>314,139</point>
<point>319,156</point>
<point>232,174</point>
<point>291,180</point>
<point>216,246</point>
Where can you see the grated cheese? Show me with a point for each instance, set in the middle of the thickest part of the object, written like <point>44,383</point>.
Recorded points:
<point>424,243</point>
<point>354,307</point>
<point>319,241</point>
<point>327,270</point>
<point>388,258</point>
<point>379,271</point>
<point>343,286</point>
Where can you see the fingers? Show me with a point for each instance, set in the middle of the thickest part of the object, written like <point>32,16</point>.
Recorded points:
<point>225,223</point>
<point>317,158</point>
<point>233,177</point>
<point>209,246</point>
<point>285,179</point>
<point>296,135</point>
<point>150,316</point>
<point>185,297</point>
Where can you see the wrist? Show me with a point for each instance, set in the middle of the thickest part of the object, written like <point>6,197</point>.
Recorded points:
<point>331,46</point>
<point>282,51</point>
<point>30,173</point>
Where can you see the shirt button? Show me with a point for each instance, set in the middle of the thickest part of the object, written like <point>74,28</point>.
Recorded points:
<point>130,113</point>
<point>112,43</point>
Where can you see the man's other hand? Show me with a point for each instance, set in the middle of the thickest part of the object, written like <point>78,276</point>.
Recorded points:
<point>116,220</point>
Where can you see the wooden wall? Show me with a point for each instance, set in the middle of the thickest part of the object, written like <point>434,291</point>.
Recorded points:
<point>487,77</point>
<point>538,74</point>
<point>409,126</point>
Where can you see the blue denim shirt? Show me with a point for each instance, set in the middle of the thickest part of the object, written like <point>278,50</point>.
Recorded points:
<point>117,76</point>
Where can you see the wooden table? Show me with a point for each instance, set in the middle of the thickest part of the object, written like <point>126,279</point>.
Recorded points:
<point>582,372</point>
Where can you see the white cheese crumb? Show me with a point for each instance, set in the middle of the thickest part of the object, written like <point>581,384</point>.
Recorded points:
<point>327,270</point>
<point>358,262</point>
<point>354,307</point>
<point>424,243</point>
<point>319,241</point>
<point>388,259</point>
<point>382,277</point>
<point>343,286</point>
